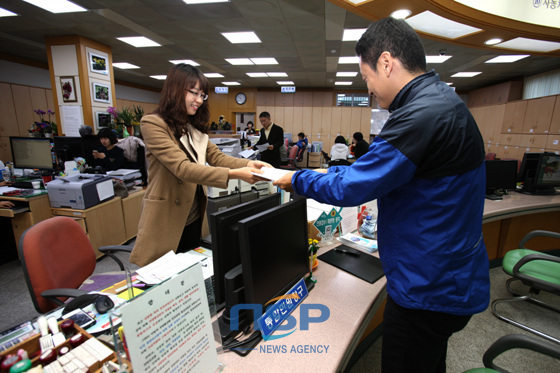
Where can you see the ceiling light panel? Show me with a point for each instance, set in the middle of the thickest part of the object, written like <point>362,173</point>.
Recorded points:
<point>139,41</point>
<point>6,13</point>
<point>437,59</point>
<point>353,34</point>
<point>342,83</point>
<point>258,75</point>
<point>158,77</point>
<point>265,61</point>
<point>191,2</point>
<point>241,37</point>
<point>231,83</point>
<point>431,23</point>
<point>508,58</point>
<point>57,6</point>
<point>401,14</point>
<point>529,45</point>
<point>466,74</point>
<point>285,82</point>
<point>492,41</point>
<point>348,60</point>
<point>213,75</point>
<point>277,75</point>
<point>347,73</point>
<point>125,65</point>
<point>239,61</point>
<point>188,62</point>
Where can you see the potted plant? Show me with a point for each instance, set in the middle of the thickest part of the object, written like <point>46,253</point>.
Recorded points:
<point>313,248</point>
<point>43,128</point>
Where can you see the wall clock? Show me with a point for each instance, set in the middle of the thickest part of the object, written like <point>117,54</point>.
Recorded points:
<point>240,98</point>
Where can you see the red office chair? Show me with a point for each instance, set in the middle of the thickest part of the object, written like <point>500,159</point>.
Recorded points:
<point>490,156</point>
<point>291,160</point>
<point>57,257</point>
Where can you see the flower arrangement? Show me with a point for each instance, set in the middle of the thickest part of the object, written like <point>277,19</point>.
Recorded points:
<point>43,127</point>
<point>313,246</point>
<point>66,90</point>
<point>125,117</point>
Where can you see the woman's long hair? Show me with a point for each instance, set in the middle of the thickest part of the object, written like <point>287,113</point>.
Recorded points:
<point>172,106</point>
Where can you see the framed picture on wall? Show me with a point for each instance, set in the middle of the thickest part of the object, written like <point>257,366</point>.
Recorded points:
<point>68,89</point>
<point>98,64</point>
<point>101,93</point>
<point>102,119</point>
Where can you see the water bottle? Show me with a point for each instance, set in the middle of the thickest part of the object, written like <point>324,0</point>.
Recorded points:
<point>367,229</point>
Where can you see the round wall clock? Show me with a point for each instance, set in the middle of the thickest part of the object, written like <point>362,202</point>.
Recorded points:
<point>240,98</point>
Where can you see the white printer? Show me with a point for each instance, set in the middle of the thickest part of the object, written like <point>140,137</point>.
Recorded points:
<point>80,191</point>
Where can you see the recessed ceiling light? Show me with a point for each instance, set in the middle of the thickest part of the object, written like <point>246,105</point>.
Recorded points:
<point>188,62</point>
<point>508,58</point>
<point>530,45</point>
<point>265,61</point>
<point>241,37</point>
<point>231,83</point>
<point>277,75</point>
<point>57,6</point>
<point>6,13</point>
<point>466,74</point>
<point>348,60</point>
<point>213,75</point>
<point>347,73</point>
<point>285,82</point>
<point>431,23</point>
<point>125,65</point>
<point>158,77</point>
<point>437,59</point>
<point>493,41</point>
<point>356,2</point>
<point>353,34</point>
<point>139,41</point>
<point>448,83</point>
<point>401,14</point>
<point>258,75</point>
<point>190,2</point>
<point>239,61</point>
<point>342,83</point>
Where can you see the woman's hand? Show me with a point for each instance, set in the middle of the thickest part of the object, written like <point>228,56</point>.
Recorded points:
<point>6,204</point>
<point>98,155</point>
<point>245,174</point>
<point>258,164</point>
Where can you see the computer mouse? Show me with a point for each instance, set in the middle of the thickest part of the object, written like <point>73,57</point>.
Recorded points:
<point>103,304</point>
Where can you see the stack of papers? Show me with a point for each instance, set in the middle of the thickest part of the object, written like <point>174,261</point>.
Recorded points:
<point>170,264</point>
<point>359,242</point>
<point>271,174</point>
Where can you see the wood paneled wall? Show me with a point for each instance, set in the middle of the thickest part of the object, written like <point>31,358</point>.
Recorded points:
<point>17,105</point>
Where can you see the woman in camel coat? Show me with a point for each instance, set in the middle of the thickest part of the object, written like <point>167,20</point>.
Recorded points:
<point>178,150</point>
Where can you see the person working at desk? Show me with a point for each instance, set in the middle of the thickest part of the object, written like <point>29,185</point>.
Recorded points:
<point>178,149</point>
<point>250,129</point>
<point>426,170</point>
<point>272,134</point>
<point>91,142</point>
<point>110,156</point>
<point>302,143</point>
<point>360,146</point>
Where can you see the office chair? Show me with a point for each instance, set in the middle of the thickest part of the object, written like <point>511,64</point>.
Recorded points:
<point>57,258</point>
<point>535,269</point>
<point>490,156</point>
<point>510,342</point>
<point>292,159</point>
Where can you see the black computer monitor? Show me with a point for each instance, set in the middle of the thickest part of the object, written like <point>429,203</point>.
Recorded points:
<point>67,148</point>
<point>274,251</point>
<point>216,204</point>
<point>501,176</point>
<point>32,152</point>
<point>540,173</point>
<point>225,239</point>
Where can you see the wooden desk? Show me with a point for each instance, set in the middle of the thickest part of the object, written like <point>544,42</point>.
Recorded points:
<point>39,209</point>
<point>104,223</point>
<point>352,302</point>
<point>507,221</point>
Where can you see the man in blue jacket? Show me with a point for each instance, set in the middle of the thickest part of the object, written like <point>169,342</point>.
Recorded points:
<point>426,171</point>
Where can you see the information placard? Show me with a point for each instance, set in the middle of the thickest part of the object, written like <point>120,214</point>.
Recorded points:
<point>168,328</point>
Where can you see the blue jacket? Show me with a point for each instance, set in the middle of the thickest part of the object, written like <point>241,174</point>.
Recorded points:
<point>426,170</point>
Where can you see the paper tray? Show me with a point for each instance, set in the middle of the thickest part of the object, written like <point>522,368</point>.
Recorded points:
<point>366,267</point>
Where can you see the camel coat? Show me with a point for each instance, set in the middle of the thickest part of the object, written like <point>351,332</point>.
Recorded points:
<point>175,168</point>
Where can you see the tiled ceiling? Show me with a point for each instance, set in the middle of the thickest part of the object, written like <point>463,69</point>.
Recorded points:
<point>303,35</point>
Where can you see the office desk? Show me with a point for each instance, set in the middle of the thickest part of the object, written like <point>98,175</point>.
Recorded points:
<point>39,209</point>
<point>507,221</point>
<point>352,303</point>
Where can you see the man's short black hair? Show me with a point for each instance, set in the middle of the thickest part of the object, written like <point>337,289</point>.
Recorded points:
<point>301,134</point>
<point>396,37</point>
<point>265,114</point>
<point>341,140</point>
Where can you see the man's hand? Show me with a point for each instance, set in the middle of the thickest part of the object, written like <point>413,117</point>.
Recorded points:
<point>285,182</point>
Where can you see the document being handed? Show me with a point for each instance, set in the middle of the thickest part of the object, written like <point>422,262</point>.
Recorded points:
<point>271,174</point>
<point>262,147</point>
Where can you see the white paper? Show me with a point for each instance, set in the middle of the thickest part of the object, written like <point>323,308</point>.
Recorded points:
<point>247,153</point>
<point>349,222</point>
<point>172,263</point>
<point>271,174</point>
<point>168,328</point>
<point>71,120</point>
<point>263,147</point>
<point>105,189</point>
